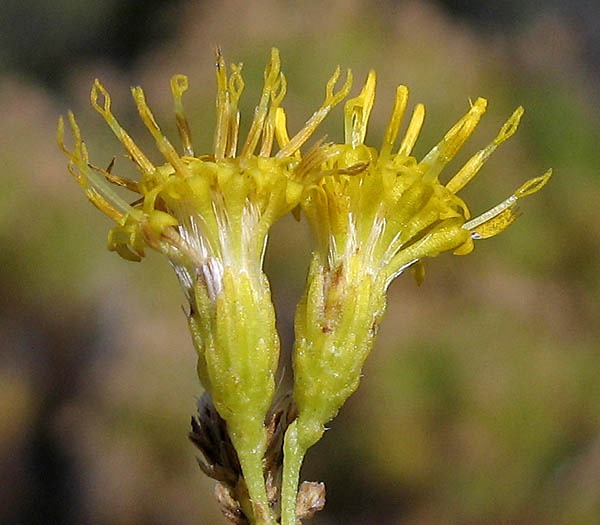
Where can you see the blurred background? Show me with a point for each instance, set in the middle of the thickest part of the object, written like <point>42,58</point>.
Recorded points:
<point>481,400</point>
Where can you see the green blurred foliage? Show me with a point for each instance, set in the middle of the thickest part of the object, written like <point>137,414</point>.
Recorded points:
<point>480,402</point>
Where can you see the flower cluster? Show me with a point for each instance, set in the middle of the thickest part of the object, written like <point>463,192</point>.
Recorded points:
<point>374,213</point>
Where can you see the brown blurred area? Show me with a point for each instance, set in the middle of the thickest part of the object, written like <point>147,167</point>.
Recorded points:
<point>481,400</point>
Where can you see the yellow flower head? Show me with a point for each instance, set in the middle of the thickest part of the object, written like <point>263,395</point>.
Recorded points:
<point>210,215</point>
<point>211,211</point>
<point>374,213</point>
<point>384,211</point>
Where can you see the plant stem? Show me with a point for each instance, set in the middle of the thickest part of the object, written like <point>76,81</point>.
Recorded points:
<point>293,455</point>
<point>251,463</point>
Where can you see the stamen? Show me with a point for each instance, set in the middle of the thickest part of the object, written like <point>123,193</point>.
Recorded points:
<point>500,217</point>
<point>533,185</point>
<point>60,139</point>
<point>277,96</point>
<point>448,147</point>
<point>236,86</point>
<point>136,154</point>
<point>331,100</point>
<point>162,143</point>
<point>179,85</point>
<point>222,124</point>
<point>281,132</point>
<point>260,113</point>
<point>474,164</point>
<point>103,205</point>
<point>413,130</point>
<point>357,111</point>
<point>395,120</point>
<point>99,193</point>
